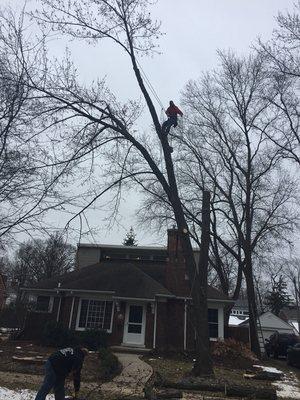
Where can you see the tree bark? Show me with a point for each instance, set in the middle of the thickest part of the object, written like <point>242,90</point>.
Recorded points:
<point>204,363</point>
<point>253,316</point>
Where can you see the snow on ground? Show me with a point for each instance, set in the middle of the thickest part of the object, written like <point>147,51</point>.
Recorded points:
<point>269,369</point>
<point>7,394</point>
<point>235,320</point>
<point>288,388</point>
<point>295,326</point>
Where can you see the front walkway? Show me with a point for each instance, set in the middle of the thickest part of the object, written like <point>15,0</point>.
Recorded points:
<point>133,377</point>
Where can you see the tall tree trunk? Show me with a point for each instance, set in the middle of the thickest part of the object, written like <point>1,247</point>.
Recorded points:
<point>204,363</point>
<point>297,298</point>
<point>254,342</point>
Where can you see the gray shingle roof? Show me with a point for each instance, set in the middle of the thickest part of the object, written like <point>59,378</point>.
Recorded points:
<point>124,279</point>
<point>134,279</point>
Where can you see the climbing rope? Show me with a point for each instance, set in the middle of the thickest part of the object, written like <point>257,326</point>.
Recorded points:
<point>150,86</point>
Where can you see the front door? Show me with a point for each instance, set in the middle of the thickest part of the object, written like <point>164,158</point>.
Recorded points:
<point>134,329</point>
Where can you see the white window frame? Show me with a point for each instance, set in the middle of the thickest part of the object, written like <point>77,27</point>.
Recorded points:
<point>50,305</point>
<point>214,323</point>
<point>78,328</point>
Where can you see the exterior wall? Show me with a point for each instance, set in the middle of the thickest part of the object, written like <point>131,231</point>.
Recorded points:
<point>176,277</point>
<point>65,310</point>
<point>87,256</point>
<point>161,326</point>
<point>220,308</point>
<point>149,327</point>
<point>35,321</point>
<point>116,336</point>
<point>170,325</point>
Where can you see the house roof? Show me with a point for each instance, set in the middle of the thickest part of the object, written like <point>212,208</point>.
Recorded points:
<point>268,320</point>
<point>122,279</point>
<point>122,247</point>
<point>132,279</point>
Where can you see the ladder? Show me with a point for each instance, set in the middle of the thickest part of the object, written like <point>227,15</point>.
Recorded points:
<point>261,339</point>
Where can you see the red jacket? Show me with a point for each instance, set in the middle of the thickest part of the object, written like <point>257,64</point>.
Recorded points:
<point>172,111</point>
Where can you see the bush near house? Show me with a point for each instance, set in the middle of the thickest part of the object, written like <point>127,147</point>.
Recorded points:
<point>13,316</point>
<point>93,339</point>
<point>110,365</point>
<point>55,335</point>
<point>231,353</point>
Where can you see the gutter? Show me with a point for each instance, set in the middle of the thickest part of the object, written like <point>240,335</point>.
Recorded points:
<point>132,298</point>
<point>173,296</point>
<point>58,289</point>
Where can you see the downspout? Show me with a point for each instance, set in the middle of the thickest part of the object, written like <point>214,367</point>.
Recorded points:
<point>154,325</point>
<point>184,324</point>
<point>71,314</point>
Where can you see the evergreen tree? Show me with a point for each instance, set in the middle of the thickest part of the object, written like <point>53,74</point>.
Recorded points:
<point>130,238</point>
<point>277,298</point>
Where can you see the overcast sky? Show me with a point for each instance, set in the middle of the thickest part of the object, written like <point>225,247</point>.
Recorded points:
<point>194,31</point>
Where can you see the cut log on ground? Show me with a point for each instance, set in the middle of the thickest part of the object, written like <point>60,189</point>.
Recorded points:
<point>29,360</point>
<point>152,393</point>
<point>161,394</point>
<point>199,385</point>
<point>250,392</point>
<point>265,376</point>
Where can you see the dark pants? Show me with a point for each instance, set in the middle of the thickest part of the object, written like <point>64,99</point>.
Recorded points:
<point>171,121</point>
<point>51,381</point>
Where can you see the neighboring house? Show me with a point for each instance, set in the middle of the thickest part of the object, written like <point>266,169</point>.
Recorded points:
<point>139,295</point>
<point>2,291</point>
<point>291,314</point>
<point>240,309</point>
<point>269,324</point>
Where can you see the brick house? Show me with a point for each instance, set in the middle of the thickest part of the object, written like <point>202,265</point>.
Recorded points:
<point>139,295</point>
<point>2,291</point>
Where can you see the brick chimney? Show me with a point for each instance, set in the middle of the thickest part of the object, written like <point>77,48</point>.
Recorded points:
<point>176,277</point>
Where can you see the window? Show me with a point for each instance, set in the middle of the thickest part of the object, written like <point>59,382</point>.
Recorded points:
<point>213,322</point>
<point>44,304</point>
<point>95,314</point>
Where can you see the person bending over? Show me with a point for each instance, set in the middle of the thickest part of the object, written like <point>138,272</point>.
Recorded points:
<point>58,366</point>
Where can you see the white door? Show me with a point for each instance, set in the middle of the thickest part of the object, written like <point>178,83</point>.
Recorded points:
<point>134,329</point>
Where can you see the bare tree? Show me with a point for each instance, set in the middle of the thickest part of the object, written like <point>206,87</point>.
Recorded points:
<point>96,123</point>
<point>291,268</point>
<point>283,49</point>
<point>27,180</point>
<point>229,115</point>
<point>282,56</point>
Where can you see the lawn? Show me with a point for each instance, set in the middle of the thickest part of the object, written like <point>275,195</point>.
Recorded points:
<point>18,375</point>
<point>175,369</point>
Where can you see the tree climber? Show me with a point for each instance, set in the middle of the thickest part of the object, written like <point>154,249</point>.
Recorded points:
<point>172,112</point>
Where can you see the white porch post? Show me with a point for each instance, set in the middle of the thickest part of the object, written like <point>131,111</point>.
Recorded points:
<point>220,322</point>
<point>71,313</point>
<point>184,325</point>
<point>154,325</point>
<point>58,310</point>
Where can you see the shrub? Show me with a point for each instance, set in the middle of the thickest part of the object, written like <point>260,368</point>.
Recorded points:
<point>13,316</point>
<point>55,335</point>
<point>230,352</point>
<point>110,365</point>
<point>93,339</point>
